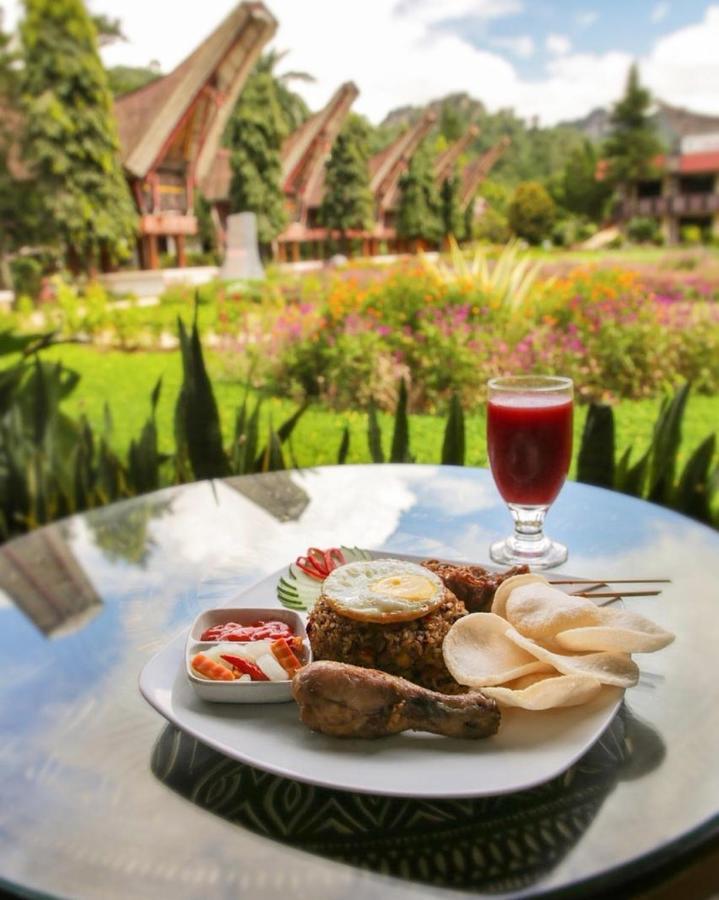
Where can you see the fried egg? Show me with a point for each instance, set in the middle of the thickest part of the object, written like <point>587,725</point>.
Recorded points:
<point>383,590</point>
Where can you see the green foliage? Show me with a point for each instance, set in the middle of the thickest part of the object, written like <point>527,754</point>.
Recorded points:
<point>400,439</point>
<point>642,230</point>
<point>595,464</point>
<point>197,420</point>
<point>206,231</point>
<point>571,230</point>
<point>26,275</point>
<point>254,135</point>
<point>452,124</point>
<point>399,451</point>
<point>418,216</point>
<point>17,202</point>
<point>70,136</point>
<point>452,219</point>
<point>294,109</point>
<point>506,282</point>
<point>632,143</point>
<point>497,195</point>
<point>108,30</point>
<point>453,445</point>
<point>692,235</point>
<point>654,476</point>
<point>581,192</point>
<point>531,212</point>
<point>492,227</point>
<point>347,201</point>
<point>123,79</point>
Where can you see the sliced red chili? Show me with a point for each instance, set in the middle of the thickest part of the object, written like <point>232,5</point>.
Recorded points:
<point>245,666</point>
<point>319,563</point>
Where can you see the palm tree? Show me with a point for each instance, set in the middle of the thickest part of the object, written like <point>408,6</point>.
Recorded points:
<point>294,109</point>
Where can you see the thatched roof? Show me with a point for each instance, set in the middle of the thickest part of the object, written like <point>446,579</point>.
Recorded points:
<point>303,154</point>
<point>306,150</point>
<point>445,161</point>
<point>476,171</point>
<point>387,166</point>
<point>213,74</point>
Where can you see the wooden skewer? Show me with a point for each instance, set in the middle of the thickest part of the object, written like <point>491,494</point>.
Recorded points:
<point>594,594</point>
<point>613,581</point>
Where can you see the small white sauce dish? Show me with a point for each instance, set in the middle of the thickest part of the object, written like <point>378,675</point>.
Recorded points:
<point>241,691</point>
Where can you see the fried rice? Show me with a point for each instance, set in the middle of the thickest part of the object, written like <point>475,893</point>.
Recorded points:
<point>411,649</point>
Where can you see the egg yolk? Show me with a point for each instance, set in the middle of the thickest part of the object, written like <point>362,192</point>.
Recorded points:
<point>406,587</point>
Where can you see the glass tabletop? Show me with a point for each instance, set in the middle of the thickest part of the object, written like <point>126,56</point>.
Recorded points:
<point>99,793</point>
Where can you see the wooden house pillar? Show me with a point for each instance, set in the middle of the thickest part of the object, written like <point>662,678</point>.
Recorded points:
<point>180,248</point>
<point>150,256</point>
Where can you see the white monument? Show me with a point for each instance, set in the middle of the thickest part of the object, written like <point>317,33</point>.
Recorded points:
<point>242,256</point>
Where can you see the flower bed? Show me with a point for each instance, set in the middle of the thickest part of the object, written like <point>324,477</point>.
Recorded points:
<point>605,327</point>
<point>348,337</point>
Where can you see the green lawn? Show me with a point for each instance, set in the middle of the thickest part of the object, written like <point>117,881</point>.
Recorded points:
<point>125,380</point>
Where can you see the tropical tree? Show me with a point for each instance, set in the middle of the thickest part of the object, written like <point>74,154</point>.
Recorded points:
<point>254,135</point>
<point>581,191</point>
<point>11,207</point>
<point>70,140</point>
<point>531,212</point>
<point>632,143</point>
<point>294,109</point>
<point>418,216</point>
<point>347,202</point>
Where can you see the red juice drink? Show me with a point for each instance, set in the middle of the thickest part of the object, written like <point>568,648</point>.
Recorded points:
<point>529,440</point>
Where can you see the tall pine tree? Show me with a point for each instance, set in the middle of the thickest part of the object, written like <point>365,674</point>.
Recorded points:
<point>254,135</point>
<point>632,143</point>
<point>579,189</point>
<point>12,205</point>
<point>71,140</point>
<point>453,219</point>
<point>347,202</point>
<point>418,216</point>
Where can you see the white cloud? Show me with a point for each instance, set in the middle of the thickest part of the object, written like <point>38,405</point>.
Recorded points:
<point>586,18</point>
<point>659,12</point>
<point>558,44</point>
<point>521,45</point>
<point>430,11</point>
<point>398,55</point>
<point>683,67</point>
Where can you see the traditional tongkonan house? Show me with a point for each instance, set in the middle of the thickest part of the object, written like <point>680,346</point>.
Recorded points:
<point>386,168</point>
<point>446,161</point>
<point>304,154</point>
<point>475,172</point>
<point>683,192</point>
<point>171,128</point>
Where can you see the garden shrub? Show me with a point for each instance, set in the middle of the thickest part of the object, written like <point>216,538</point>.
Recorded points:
<point>492,226</point>
<point>26,272</point>
<point>531,212</point>
<point>692,235</point>
<point>641,230</point>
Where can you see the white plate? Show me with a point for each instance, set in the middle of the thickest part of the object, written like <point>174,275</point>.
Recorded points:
<point>530,747</point>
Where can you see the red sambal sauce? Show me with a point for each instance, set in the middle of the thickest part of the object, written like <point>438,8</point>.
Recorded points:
<point>258,631</point>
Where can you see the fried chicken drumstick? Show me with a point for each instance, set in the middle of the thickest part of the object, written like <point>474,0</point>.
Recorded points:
<point>351,701</point>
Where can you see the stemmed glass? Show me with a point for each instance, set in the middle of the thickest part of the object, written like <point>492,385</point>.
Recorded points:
<point>529,440</point>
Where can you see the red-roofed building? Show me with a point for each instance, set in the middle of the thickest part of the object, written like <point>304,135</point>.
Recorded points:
<point>685,190</point>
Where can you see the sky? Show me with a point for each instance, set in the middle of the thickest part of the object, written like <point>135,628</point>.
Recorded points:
<point>550,59</point>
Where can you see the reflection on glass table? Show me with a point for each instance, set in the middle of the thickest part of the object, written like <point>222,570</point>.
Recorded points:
<point>112,800</point>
